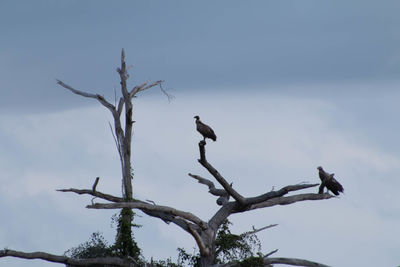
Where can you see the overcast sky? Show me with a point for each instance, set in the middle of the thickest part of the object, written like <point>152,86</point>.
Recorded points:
<point>286,85</point>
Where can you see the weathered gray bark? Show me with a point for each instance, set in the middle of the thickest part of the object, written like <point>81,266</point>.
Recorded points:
<point>123,137</point>
<point>204,233</point>
<point>114,261</point>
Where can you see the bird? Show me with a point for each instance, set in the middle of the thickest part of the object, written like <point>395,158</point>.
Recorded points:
<point>205,130</point>
<point>329,182</point>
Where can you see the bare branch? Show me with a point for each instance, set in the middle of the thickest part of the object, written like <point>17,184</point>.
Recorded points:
<point>120,106</point>
<point>214,191</point>
<point>288,261</point>
<point>203,248</point>
<point>161,214</point>
<point>203,161</point>
<point>279,193</point>
<point>149,207</point>
<point>93,193</point>
<point>292,261</point>
<point>144,87</point>
<point>100,98</point>
<point>137,89</point>
<point>95,184</point>
<point>114,261</point>
<point>167,218</point>
<point>289,200</point>
<point>270,253</point>
<point>169,96</point>
<point>258,230</point>
<point>224,212</point>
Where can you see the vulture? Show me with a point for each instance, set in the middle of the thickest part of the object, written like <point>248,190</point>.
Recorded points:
<point>329,182</point>
<point>205,130</point>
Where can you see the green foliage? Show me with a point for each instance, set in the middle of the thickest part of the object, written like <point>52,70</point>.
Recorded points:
<point>189,259</point>
<point>96,247</point>
<point>244,248</point>
<point>125,244</point>
<point>163,263</point>
<point>231,247</point>
<point>252,261</point>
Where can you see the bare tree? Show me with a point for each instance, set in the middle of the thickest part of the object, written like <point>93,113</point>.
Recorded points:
<point>203,232</point>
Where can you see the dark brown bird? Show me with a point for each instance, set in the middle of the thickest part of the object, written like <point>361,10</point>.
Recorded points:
<point>329,182</point>
<point>205,130</point>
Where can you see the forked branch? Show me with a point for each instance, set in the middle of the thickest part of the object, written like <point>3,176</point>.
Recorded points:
<point>145,86</point>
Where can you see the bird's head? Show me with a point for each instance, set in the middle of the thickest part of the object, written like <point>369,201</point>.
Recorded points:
<point>320,168</point>
<point>196,117</point>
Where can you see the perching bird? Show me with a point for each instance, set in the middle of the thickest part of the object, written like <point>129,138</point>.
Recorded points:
<point>205,130</point>
<point>329,182</point>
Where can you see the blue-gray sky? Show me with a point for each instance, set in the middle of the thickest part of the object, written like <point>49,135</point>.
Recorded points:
<point>287,86</point>
<point>193,44</point>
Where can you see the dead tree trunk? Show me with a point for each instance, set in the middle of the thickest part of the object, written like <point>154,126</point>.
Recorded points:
<point>203,232</point>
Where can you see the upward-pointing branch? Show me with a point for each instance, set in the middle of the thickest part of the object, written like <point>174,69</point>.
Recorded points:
<point>126,139</point>
<point>203,161</point>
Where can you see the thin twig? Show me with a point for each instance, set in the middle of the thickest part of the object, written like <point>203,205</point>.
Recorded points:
<point>269,254</point>
<point>117,144</point>
<point>169,96</point>
<point>258,230</point>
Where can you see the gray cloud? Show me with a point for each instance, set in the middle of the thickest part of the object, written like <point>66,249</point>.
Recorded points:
<point>190,45</point>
